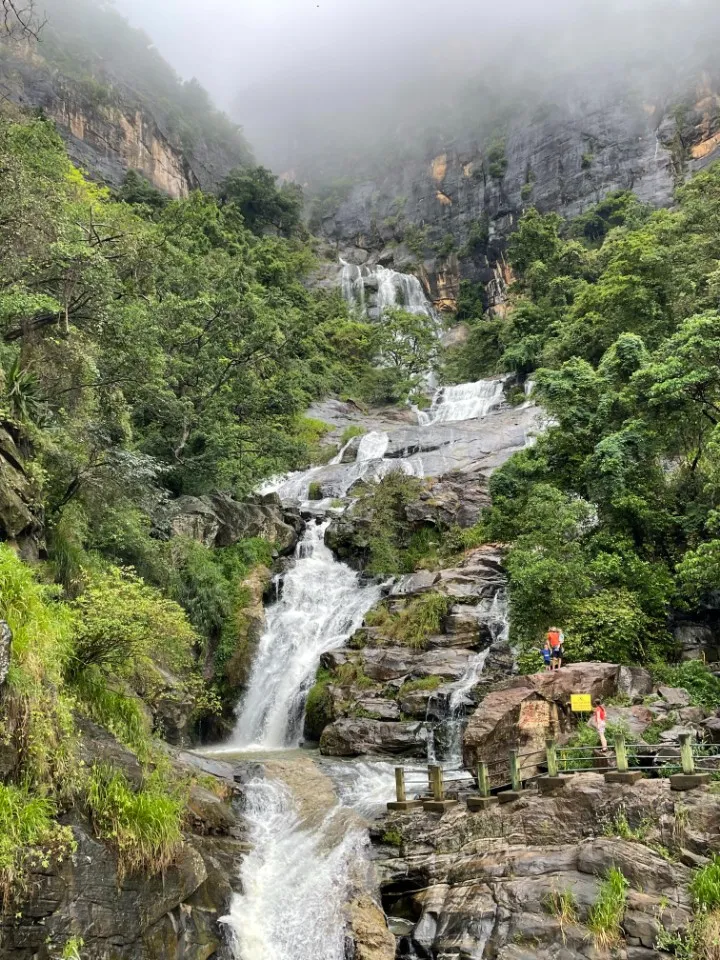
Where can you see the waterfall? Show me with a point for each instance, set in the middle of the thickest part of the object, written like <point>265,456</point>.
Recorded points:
<point>452,701</point>
<point>322,604</point>
<point>358,285</point>
<point>372,446</point>
<point>466,401</point>
<point>295,882</point>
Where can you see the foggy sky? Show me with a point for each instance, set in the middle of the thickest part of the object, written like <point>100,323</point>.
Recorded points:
<point>304,76</point>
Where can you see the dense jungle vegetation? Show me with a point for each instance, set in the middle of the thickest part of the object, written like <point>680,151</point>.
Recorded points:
<point>149,348</point>
<point>613,516</point>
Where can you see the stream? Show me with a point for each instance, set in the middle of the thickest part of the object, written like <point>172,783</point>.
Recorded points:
<point>307,816</point>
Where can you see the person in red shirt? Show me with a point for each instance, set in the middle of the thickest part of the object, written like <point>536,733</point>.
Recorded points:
<point>600,719</point>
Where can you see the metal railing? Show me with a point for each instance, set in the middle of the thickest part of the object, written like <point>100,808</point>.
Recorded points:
<point>694,763</point>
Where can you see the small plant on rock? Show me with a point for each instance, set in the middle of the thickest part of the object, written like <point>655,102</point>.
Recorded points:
<point>562,905</point>
<point>606,916</point>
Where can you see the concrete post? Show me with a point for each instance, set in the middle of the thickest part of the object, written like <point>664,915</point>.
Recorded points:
<point>552,763</point>
<point>400,793</point>
<point>686,757</point>
<point>515,771</point>
<point>435,775</point>
<point>621,754</point>
<point>483,779</point>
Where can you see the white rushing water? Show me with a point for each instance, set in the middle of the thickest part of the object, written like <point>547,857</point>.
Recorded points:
<point>295,882</point>
<point>322,603</point>
<point>394,289</point>
<point>466,401</point>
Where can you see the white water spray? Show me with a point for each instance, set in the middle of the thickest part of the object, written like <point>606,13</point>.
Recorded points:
<point>322,604</point>
<point>295,882</point>
<point>466,401</point>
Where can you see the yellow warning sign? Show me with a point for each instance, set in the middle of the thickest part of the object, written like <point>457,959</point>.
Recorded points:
<point>581,703</point>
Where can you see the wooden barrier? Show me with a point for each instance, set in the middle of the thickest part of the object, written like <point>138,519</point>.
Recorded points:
<point>439,803</point>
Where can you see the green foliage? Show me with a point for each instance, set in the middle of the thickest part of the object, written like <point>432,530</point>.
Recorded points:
<point>612,516</point>
<point>318,705</point>
<point>423,683</point>
<point>350,432</point>
<point>446,246</point>
<point>415,623</point>
<point>702,685</point>
<point>477,238</point>
<point>705,885</point>
<point>563,905</point>
<point>415,239</point>
<point>497,160</point>
<point>315,491</point>
<point>29,835</point>
<point>652,732</point>
<point>393,837</point>
<point>262,204</point>
<point>606,914</point>
<point>406,346</point>
<point>385,534</point>
<point>122,622</point>
<point>145,826</point>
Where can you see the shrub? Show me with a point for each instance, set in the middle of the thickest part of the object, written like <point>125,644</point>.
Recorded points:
<point>28,833</point>
<point>606,915</point>
<point>393,838</point>
<point>424,683</point>
<point>694,676</point>
<point>413,626</point>
<point>315,491</point>
<point>144,825</point>
<point>350,432</point>
<point>121,621</point>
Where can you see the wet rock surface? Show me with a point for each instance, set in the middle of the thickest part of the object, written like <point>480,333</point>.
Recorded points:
<point>470,883</point>
<point>219,521</point>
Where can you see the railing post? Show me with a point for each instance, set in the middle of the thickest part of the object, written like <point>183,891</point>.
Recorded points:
<point>400,794</point>
<point>686,757</point>
<point>435,774</point>
<point>483,779</point>
<point>621,754</point>
<point>552,763</point>
<point>515,771</point>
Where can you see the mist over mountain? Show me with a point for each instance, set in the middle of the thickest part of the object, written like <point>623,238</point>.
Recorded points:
<point>322,87</point>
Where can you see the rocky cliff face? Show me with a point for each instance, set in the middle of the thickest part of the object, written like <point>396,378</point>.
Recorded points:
<point>109,131</point>
<point>447,213</point>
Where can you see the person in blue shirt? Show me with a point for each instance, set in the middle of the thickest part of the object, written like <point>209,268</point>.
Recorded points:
<point>547,655</point>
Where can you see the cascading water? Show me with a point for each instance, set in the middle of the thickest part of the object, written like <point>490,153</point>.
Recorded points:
<point>453,702</point>
<point>466,401</point>
<point>394,289</point>
<point>323,602</point>
<point>295,882</point>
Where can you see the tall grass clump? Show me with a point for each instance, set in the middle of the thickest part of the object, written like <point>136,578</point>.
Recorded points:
<point>145,826</point>
<point>28,834</point>
<point>705,885</point>
<point>606,915</point>
<point>38,713</point>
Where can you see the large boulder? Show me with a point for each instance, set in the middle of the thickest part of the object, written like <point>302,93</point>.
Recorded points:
<point>353,737</point>
<point>526,710</point>
<point>219,521</point>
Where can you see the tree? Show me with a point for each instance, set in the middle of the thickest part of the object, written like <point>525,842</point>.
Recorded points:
<point>255,193</point>
<point>20,19</point>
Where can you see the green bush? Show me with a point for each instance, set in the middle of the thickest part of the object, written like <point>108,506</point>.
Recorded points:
<point>416,623</point>
<point>424,683</point>
<point>145,826</point>
<point>315,490</point>
<point>693,676</point>
<point>121,622</point>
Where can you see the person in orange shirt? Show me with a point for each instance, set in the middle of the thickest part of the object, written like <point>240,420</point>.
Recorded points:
<point>556,638</point>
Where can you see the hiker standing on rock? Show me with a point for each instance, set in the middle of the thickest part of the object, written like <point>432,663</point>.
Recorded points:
<point>547,655</point>
<point>555,639</point>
